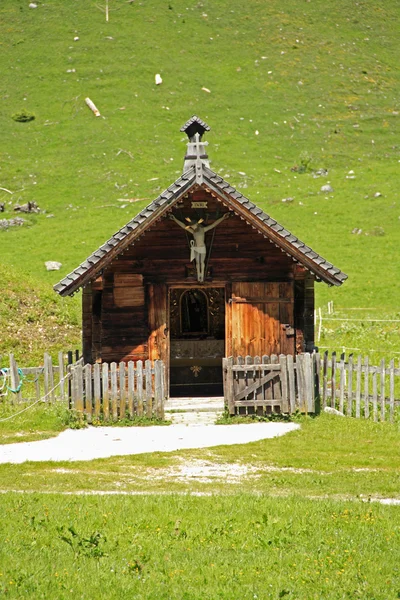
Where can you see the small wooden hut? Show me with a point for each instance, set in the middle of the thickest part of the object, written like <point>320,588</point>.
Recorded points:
<point>201,273</point>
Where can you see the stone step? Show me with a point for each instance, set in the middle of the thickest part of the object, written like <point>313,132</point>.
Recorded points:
<point>194,405</point>
<point>194,411</point>
<point>193,418</point>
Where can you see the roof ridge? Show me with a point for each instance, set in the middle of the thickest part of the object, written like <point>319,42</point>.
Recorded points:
<point>279,229</point>
<point>164,198</point>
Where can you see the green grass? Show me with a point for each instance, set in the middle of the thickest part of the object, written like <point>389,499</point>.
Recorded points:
<point>315,83</point>
<point>327,457</point>
<point>37,423</point>
<point>194,548</point>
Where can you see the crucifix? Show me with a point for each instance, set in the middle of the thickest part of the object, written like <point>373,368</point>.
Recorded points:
<point>197,244</point>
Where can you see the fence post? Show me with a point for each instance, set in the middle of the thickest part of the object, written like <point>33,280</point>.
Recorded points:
<point>350,388</point>
<point>97,390</point>
<point>284,383</point>
<point>333,381</point>
<point>229,400</point>
<point>391,375</point>
<point>375,393</point>
<point>78,375</point>
<point>61,375</point>
<point>149,403</point>
<point>383,374</point>
<point>88,391</point>
<point>139,384</point>
<point>292,387</point>
<point>114,391</point>
<point>106,401</point>
<point>69,362</point>
<point>48,377</point>
<point>342,382</point>
<point>157,388</point>
<point>122,391</point>
<point>358,387</point>
<point>15,380</point>
<point>366,388</point>
<point>316,375</point>
<point>131,388</point>
<point>308,382</point>
<point>325,379</point>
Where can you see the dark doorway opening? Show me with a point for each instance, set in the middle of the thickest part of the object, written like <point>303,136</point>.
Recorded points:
<point>197,341</point>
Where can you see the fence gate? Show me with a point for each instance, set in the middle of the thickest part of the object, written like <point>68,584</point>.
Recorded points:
<point>265,385</point>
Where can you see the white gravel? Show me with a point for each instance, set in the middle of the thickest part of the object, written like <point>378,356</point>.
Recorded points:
<point>102,442</point>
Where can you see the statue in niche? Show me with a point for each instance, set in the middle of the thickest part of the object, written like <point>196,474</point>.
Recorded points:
<point>197,244</point>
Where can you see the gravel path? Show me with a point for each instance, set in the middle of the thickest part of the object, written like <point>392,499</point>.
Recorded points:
<point>102,442</point>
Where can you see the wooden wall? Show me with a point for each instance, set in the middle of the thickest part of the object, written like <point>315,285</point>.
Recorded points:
<point>130,303</point>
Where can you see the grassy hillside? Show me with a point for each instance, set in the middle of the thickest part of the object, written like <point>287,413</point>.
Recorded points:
<point>319,83</point>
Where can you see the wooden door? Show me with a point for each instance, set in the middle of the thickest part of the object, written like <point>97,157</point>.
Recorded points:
<point>157,317</point>
<point>262,321</point>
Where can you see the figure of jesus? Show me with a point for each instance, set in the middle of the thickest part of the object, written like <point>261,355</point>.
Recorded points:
<point>197,244</point>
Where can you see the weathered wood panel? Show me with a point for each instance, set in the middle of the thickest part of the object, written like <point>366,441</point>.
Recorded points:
<point>262,318</point>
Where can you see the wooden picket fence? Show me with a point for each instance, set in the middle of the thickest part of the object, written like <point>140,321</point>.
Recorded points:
<point>310,382</point>
<point>359,389</point>
<point>118,391</point>
<point>48,382</point>
<point>270,384</point>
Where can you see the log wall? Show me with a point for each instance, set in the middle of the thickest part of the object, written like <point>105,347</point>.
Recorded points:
<point>129,303</point>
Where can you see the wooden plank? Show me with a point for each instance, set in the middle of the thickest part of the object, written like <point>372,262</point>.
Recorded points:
<point>74,388</point>
<point>276,384</point>
<point>114,391</point>
<point>308,382</point>
<point>250,379</point>
<point>375,394</point>
<point>15,380</point>
<point>61,375</point>
<point>358,387</point>
<point>158,389</point>
<point>122,391</point>
<point>78,372</point>
<point>239,378</point>
<point>230,391</point>
<point>342,382</point>
<point>105,392</point>
<point>163,393</point>
<point>88,391</point>
<point>302,405</point>
<point>284,383</point>
<point>46,377</point>
<point>139,387</point>
<point>366,387</point>
<point>260,366</point>
<point>265,360</point>
<point>382,390</point>
<point>316,376</point>
<point>291,379</point>
<point>325,379</point>
<point>350,387</point>
<point>131,389</point>
<point>259,393</point>
<point>149,390</point>
<point>250,389</point>
<point>333,381</point>
<point>96,390</point>
<point>391,391</point>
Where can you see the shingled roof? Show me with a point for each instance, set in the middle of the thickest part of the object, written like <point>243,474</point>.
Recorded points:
<point>200,175</point>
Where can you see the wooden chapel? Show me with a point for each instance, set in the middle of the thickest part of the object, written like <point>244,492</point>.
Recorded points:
<point>201,273</point>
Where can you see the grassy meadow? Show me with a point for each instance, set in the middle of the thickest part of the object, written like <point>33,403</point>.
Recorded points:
<point>289,89</point>
<point>197,547</point>
<point>319,86</point>
<point>291,517</point>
